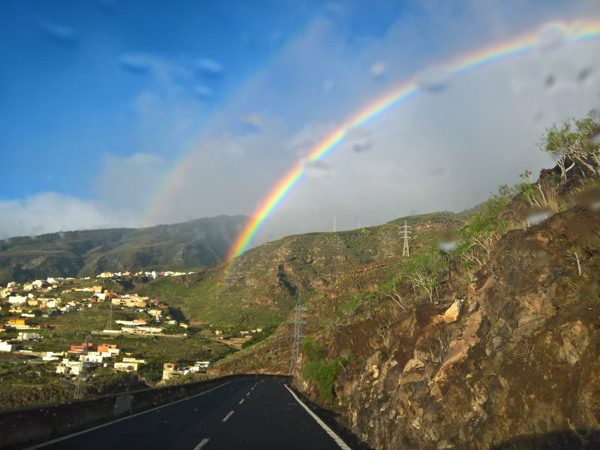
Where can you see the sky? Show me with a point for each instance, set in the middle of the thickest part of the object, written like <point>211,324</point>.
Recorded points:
<point>137,113</point>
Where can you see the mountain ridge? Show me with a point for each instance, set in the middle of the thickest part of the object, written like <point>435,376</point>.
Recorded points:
<point>197,243</point>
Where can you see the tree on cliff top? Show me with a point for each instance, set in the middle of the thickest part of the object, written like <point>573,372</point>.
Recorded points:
<point>575,141</point>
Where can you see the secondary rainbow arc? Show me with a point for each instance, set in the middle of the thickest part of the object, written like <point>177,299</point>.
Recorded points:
<point>521,45</point>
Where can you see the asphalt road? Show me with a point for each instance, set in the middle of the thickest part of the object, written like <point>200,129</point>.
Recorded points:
<point>242,414</point>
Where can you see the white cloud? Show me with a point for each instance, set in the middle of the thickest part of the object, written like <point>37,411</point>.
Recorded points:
<point>51,212</point>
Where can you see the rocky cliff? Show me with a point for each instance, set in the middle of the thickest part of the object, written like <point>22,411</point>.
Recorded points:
<point>503,352</point>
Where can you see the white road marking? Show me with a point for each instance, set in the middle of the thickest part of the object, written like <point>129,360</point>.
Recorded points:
<point>241,401</point>
<point>329,431</point>
<point>129,417</point>
<point>226,418</point>
<point>202,443</point>
<point>248,394</point>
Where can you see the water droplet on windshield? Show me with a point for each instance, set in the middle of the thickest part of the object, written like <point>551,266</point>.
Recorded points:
<point>536,216</point>
<point>590,198</point>
<point>551,37</point>
<point>434,79</point>
<point>59,34</point>
<point>584,74</point>
<point>318,169</point>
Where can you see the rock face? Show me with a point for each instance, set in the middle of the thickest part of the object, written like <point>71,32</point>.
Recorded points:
<point>520,358</point>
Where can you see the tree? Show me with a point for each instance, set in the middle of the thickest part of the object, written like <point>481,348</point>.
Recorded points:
<point>574,141</point>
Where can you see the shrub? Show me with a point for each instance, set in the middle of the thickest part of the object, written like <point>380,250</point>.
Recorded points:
<point>323,373</point>
<point>312,349</point>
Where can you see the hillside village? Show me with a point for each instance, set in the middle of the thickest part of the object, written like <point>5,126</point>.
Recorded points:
<point>41,325</point>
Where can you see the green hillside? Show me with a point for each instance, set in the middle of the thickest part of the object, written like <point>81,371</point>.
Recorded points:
<point>202,242</point>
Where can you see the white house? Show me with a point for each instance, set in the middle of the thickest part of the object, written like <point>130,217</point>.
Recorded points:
<point>91,357</point>
<point>17,299</point>
<point>29,336</point>
<point>126,366</point>
<point>67,367</point>
<point>6,347</point>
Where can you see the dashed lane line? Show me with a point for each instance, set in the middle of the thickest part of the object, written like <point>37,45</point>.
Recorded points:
<point>53,441</point>
<point>202,443</point>
<point>226,418</point>
<point>241,401</point>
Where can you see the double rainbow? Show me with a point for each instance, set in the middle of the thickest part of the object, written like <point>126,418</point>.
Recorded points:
<point>521,45</point>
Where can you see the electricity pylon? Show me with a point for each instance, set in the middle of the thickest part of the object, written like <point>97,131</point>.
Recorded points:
<point>299,311</point>
<point>334,224</point>
<point>405,250</point>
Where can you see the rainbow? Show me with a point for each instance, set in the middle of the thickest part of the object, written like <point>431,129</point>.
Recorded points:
<point>518,46</point>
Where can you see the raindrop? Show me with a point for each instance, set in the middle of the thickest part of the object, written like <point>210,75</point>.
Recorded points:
<point>203,91</point>
<point>108,7</point>
<point>538,116</point>
<point>210,67</point>
<point>434,79</point>
<point>448,246</point>
<point>584,74</point>
<point>318,169</point>
<point>549,81</point>
<point>377,69</point>
<point>551,37</point>
<point>136,64</point>
<point>360,139</point>
<point>590,198</point>
<point>538,216</point>
<point>437,172</point>
<point>328,85</point>
<point>448,242</point>
<point>595,138</point>
<point>59,34</point>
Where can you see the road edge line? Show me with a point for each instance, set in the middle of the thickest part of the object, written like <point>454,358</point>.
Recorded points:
<point>69,436</point>
<point>338,440</point>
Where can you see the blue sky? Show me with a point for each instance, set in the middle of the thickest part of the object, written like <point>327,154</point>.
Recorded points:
<point>100,98</point>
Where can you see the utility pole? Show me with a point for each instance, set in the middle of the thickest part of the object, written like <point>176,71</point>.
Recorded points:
<point>78,388</point>
<point>109,321</point>
<point>299,311</point>
<point>405,250</point>
<point>334,224</point>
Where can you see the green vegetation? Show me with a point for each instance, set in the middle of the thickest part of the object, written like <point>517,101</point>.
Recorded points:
<point>574,141</point>
<point>259,337</point>
<point>319,370</point>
